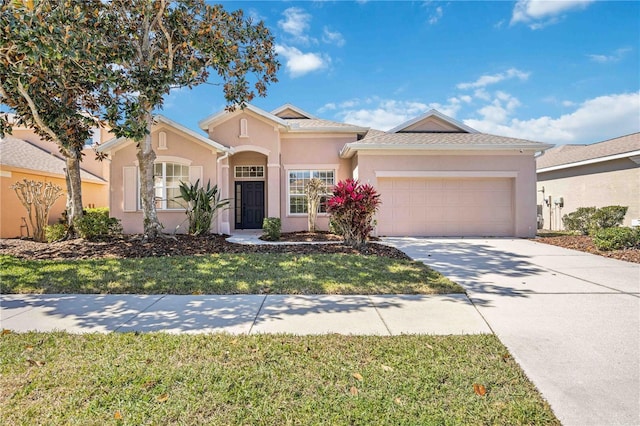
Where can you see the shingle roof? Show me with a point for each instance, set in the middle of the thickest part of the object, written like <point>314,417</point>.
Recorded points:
<point>319,124</point>
<point>470,139</point>
<point>21,154</point>
<point>569,154</point>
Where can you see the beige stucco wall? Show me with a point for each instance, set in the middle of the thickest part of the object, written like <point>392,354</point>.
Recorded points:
<point>487,164</point>
<point>615,182</point>
<point>267,144</point>
<point>308,153</point>
<point>181,149</point>
<point>12,210</point>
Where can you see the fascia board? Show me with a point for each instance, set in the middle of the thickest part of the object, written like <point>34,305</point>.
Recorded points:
<point>590,161</point>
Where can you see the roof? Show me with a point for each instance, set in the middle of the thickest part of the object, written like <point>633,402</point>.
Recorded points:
<point>21,154</point>
<point>291,111</point>
<point>430,114</point>
<point>300,121</point>
<point>161,119</point>
<point>566,156</point>
<point>224,115</point>
<point>314,125</point>
<point>439,141</point>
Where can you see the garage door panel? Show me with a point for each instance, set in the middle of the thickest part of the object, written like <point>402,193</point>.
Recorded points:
<point>446,207</point>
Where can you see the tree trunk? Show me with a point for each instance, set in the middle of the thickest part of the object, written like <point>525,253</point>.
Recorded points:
<point>74,190</point>
<point>146,156</point>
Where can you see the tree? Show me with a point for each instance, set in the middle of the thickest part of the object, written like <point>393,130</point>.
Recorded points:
<point>165,45</point>
<point>37,198</point>
<point>314,190</point>
<point>49,77</point>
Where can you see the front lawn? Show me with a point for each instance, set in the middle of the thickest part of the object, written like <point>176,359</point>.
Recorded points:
<point>59,378</point>
<point>225,273</point>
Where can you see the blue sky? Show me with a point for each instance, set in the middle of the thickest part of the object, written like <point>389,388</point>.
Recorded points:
<point>551,71</point>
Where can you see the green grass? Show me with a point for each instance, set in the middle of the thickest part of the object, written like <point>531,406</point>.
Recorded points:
<point>58,378</point>
<point>255,273</point>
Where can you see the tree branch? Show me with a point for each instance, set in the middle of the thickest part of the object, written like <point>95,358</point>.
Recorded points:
<point>36,116</point>
<point>166,35</point>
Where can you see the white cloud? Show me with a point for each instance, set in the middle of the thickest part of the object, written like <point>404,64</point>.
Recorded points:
<point>299,63</point>
<point>487,80</point>
<point>617,55</point>
<point>435,16</point>
<point>296,23</point>
<point>540,13</point>
<point>332,37</point>
<point>596,119</point>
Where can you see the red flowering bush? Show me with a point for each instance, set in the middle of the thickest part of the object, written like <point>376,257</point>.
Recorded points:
<point>352,208</point>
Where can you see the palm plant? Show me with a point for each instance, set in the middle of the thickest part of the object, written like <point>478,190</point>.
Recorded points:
<point>202,205</point>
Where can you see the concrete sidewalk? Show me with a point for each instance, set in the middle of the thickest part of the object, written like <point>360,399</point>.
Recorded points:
<point>570,319</point>
<point>243,314</point>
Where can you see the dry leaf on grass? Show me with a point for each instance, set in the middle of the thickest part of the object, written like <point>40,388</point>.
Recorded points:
<point>387,368</point>
<point>357,376</point>
<point>479,389</point>
<point>5,331</point>
<point>353,390</point>
<point>117,415</point>
<point>162,397</point>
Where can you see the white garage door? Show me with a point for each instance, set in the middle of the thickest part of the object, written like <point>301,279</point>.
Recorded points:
<point>446,207</point>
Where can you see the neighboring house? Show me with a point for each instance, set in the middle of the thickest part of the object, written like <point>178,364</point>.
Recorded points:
<point>597,175</point>
<point>436,176</point>
<point>24,155</point>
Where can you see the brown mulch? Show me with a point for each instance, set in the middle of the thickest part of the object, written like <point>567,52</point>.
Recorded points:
<point>132,246</point>
<point>306,237</point>
<point>585,243</point>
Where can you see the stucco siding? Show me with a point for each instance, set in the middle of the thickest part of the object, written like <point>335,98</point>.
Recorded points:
<point>178,149</point>
<point>310,153</point>
<point>608,183</point>
<point>454,165</point>
<point>12,211</point>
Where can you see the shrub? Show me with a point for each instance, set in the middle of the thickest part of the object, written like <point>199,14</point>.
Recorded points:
<point>272,227</point>
<point>609,217</point>
<point>580,220</point>
<point>55,232</point>
<point>616,238</point>
<point>95,224</point>
<point>202,205</point>
<point>352,208</point>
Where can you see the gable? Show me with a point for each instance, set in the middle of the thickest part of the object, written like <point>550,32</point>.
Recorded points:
<point>431,125</point>
<point>432,122</point>
<point>288,111</point>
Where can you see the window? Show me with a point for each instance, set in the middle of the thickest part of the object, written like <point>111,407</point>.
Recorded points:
<point>167,178</point>
<point>249,171</point>
<point>298,179</point>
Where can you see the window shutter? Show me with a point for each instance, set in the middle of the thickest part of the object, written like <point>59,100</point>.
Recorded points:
<point>130,184</point>
<point>195,173</point>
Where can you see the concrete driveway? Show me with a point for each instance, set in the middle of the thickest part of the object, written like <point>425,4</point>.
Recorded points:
<point>570,319</point>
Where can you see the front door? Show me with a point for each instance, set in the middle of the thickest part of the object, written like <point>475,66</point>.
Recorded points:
<point>249,205</point>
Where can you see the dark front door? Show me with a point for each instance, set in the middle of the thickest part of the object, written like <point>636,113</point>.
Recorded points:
<point>249,205</point>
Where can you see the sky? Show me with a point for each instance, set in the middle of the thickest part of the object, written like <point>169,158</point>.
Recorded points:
<point>560,72</point>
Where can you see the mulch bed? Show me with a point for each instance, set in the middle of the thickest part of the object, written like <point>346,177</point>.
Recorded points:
<point>585,243</point>
<point>132,246</point>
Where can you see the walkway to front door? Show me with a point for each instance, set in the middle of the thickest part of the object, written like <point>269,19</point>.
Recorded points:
<point>249,204</point>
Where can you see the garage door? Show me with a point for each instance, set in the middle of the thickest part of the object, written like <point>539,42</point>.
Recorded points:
<point>446,207</point>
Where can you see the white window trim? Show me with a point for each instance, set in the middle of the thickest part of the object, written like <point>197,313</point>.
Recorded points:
<point>164,160</point>
<point>235,171</point>
<point>292,168</point>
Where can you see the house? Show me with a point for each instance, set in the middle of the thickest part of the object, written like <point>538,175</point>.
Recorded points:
<point>436,176</point>
<point>24,155</point>
<point>601,174</point>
